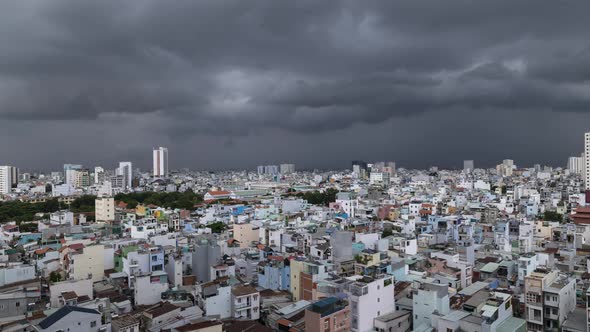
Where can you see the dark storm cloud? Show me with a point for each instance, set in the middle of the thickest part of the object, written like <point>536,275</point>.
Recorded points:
<point>237,68</point>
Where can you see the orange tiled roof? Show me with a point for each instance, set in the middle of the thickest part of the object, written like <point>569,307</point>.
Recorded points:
<point>219,193</point>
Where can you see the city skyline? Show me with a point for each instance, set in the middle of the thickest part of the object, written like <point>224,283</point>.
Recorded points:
<point>301,166</point>
<point>346,80</point>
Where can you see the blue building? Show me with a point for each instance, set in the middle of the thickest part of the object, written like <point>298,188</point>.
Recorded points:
<point>275,274</point>
<point>156,259</point>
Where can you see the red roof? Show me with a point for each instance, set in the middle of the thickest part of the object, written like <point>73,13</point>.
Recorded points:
<point>43,250</point>
<point>76,246</point>
<point>219,193</point>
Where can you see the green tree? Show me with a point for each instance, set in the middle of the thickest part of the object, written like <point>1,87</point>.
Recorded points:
<point>55,276</point>
<point>552,216</point>
<point>28,227</point>
<point>217,227</point>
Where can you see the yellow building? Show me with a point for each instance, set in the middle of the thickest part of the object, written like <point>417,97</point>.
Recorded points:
<point>140,210</point>
<point>87,263</point>
<point>105,209</point>
<point>246,234</point>
<point>296,267</point>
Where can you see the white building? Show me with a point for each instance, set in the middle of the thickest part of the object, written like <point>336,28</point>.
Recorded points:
<point>549,298</point>
<point>505,168</point>
<point>215,298</point>
<point>80,287</point>
<point>369,298</point>
<point>287,168</point>
<point>174,270</point>
<point>379,178</point>
<point>245,302</point>
<point>429,298</point>
<point>5,180</point>
<point>149,287</point>
<point>347,203</point>
<point>126,171</point>
<point>160,162</point>
<point>576,164</point>
<point>70,318</point>
<point>105,209</point>
<point>87,263</point>
<point>16,273</point>
<point>468,165</point>
<point>144,228</point>
<point>70,171</point>
<point>62,190</point>
<point>98,174</point>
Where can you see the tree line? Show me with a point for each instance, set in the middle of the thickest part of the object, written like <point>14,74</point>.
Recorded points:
<point>173,200</point>
<point>23,211</point>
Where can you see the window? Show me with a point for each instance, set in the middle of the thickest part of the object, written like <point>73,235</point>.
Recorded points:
<point>378,300</point>
<point>93,324</point>
<point>17,304</point>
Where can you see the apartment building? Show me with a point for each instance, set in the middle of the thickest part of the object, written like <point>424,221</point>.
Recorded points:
<point>329,314</point>
<point>5,180</point>
<point>369,297</point>
<point>429,298</point>
<point>85,263</point>
<point>104,209</point>
<point>214,297</point>
<point>245,302</point>
<point>549,298</point>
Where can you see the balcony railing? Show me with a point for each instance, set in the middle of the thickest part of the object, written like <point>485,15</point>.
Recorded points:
<point>242,305</point>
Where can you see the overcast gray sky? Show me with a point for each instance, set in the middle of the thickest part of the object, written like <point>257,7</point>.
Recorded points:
<point>233,84</point>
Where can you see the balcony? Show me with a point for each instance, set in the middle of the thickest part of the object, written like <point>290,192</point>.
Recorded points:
<point>243,305</point>
<point>550,302</point>
<point>358,290</point>
<point>534,316</point>
<point>552,313</point>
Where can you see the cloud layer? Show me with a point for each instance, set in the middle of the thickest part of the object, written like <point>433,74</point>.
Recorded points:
<point>235,75</point>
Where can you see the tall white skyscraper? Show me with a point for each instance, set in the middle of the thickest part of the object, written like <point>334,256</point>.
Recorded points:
<point>98,174</point>
<point>587,161</point>
<point>468,165</point>
<point>126,170</point>
<point>70,172</point>
<point>576,164</point>
<point>5,179</point>
<point>161,162</point>
<point>287,168</point>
